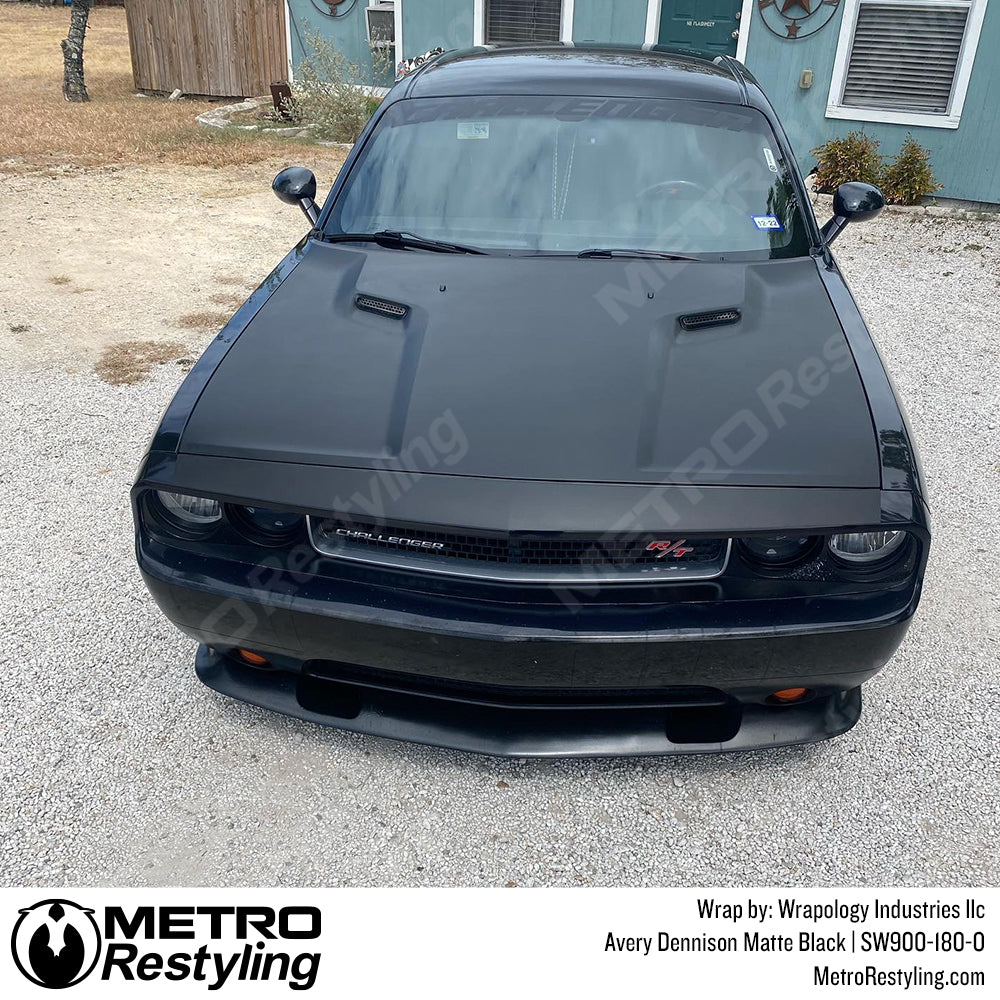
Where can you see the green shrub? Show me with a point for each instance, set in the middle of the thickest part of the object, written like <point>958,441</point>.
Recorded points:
<point>331,93</point>
<point>855,157</point>
<point>909,177</point>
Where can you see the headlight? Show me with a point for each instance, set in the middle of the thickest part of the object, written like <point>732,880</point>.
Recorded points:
<point>191,513</point>
<point>861,547</point>
<point>776,550</point>
<point>263,524</point>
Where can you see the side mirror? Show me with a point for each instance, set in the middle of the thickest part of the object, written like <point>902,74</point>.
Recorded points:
<point>297,186</point>
<point>853,202</point>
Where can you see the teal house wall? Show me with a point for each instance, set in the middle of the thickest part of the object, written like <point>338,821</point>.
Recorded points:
<point>348,33</point>
<point>600,21</point>
<point>449,23</point>
<point>428,24</point>
<point>964,159</point>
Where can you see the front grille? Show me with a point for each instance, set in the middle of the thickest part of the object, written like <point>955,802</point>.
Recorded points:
<point>519,554</point>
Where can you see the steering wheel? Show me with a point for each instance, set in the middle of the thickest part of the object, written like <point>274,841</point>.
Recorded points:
<point>662,188</point>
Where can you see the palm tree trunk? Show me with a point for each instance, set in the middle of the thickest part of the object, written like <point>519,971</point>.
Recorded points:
<point>74,89</point>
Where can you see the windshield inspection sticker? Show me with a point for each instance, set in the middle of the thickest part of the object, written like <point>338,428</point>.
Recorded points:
<point>473,130</point>
<point>767,222</point>
<point>772,163</point>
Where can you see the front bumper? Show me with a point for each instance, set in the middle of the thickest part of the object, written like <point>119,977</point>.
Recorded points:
<point>515,691</point>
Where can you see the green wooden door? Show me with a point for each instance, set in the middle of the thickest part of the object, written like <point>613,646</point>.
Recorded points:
<point>700,24</point>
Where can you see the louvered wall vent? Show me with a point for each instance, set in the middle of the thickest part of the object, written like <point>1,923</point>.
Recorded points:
<point>720,317</point>
<point>383,307</point>
<point>904,56</point>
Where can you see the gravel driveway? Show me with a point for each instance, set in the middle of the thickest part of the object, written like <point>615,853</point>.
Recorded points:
<point>119,767</point>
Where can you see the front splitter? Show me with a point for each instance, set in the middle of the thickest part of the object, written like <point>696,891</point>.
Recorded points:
<point>592,731</point>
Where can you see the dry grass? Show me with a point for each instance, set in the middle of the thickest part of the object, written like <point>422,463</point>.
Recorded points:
<point>40,129</point>
<point>131,361</point>
<point>228,299</point>
<point>203,320</point>
<point>60,279</point>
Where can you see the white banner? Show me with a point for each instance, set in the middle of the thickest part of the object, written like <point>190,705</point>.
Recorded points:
<point>510,943</point>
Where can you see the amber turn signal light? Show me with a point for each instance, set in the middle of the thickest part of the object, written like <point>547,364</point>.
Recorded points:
<point>788,695</point>
<point>254,659</point>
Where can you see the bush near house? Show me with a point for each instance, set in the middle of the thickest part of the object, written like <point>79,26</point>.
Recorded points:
<point>856,157</point>
<point>330,93</point>
<point>909,177</point>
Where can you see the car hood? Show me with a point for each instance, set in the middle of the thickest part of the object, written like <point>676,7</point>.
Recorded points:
<point>545,368</point>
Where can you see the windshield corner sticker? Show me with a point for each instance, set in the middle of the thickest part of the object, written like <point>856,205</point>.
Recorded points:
<point>473,130</point>
<point>767,222</point>
<point>772,163</point>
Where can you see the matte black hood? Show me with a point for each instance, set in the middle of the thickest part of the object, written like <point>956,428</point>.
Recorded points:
<point>545,368</point>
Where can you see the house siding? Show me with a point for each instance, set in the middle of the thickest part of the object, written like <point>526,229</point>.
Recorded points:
<point>600,21</point>
<point>348,33</point>
<point>964,159</point>
<point>428,24</point>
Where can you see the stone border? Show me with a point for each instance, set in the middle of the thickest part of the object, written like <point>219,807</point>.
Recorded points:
<point>222,117</point>
<point>825,202</point>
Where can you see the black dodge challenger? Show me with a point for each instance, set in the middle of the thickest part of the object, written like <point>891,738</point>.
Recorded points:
<point>559,432</point>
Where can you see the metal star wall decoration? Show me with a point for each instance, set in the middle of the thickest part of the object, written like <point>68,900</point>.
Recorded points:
<point>795,19</point>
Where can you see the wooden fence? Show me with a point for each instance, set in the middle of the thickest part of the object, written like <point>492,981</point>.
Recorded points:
<point>210,48</point>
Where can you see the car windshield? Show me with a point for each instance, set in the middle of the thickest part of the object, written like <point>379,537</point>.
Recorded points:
<point>568,174</point>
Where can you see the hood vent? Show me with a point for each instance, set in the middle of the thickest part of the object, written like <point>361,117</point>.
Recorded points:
<point>383,307</point>
<point>720,317</point>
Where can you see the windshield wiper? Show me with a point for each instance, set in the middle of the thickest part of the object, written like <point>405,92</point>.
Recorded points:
<point>401,241</point>
<point>619,252</point>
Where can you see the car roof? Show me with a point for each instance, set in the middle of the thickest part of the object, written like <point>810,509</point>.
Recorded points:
<point>575,69</point>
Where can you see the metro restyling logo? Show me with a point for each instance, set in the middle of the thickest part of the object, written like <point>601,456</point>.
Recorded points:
<point>57,943</point>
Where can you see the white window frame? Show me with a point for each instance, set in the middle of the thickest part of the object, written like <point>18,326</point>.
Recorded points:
<point>652,31</point>
<point>746,19</point>
<point>398,32</point>
<point>479,22</point>
<point>288,43</point>
<point>960,87</point>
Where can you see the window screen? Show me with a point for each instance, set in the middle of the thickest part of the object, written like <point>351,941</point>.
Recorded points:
<point>522,20</point>
<point>904,56</point>
<point>381,24</point>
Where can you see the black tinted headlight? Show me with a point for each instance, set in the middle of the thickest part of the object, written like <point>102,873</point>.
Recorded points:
<point>265,525</point>
<point>776,550</point>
